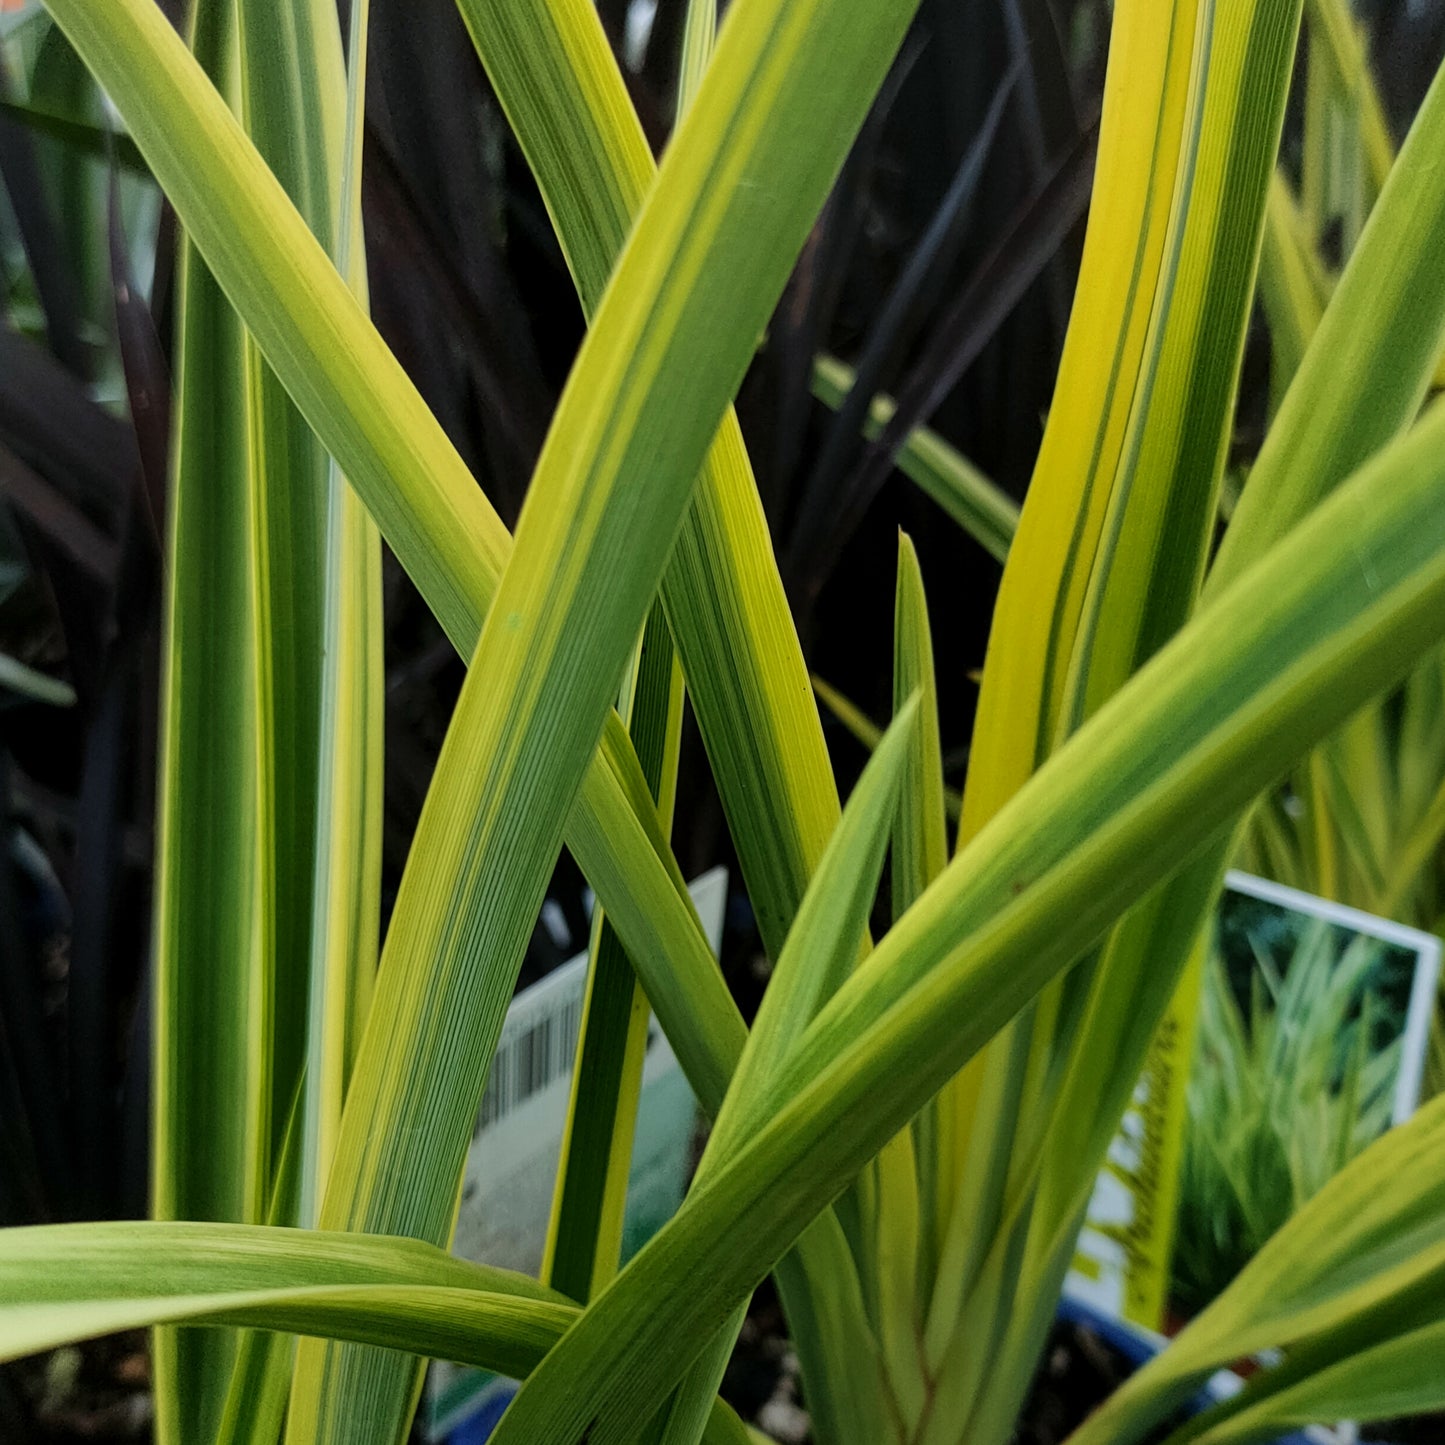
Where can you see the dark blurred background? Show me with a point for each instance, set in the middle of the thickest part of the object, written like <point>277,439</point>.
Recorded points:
<point>942,267</point>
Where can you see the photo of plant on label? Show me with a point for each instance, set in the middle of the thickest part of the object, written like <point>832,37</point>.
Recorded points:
<point>1310,1027</point>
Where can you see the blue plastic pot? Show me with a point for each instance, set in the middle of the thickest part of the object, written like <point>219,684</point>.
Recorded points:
<point>1138,1348</point>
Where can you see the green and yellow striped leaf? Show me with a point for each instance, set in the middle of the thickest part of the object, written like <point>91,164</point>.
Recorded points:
<point>613,482</point>
<point>68,1282</point>
<point>210,1093</point>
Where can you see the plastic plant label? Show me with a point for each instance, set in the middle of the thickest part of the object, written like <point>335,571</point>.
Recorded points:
<point>512,1162</point>
<point>1121,1261</point>
<point>1297,1037</point>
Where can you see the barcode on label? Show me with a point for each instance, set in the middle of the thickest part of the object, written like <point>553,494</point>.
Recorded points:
<point>532,1054</point>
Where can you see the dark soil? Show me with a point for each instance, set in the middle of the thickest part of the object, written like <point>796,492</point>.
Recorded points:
<point>762,1382</point>
<point>1424,1430</point>
<point>1078,1372</point>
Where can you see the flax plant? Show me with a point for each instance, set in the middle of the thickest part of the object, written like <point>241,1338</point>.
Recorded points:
<point>1289,1083</point>
<point>907,1135</point>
